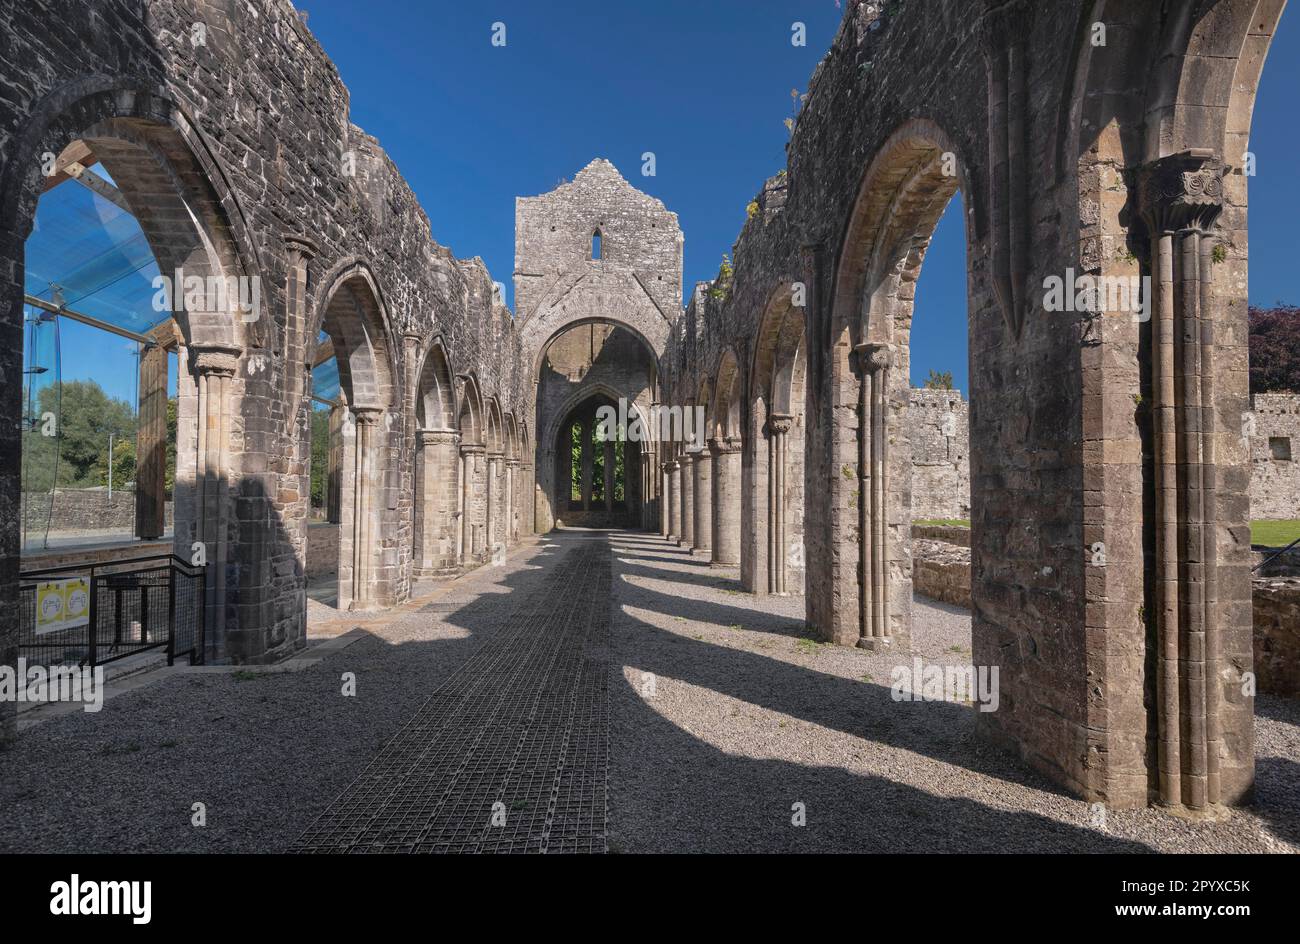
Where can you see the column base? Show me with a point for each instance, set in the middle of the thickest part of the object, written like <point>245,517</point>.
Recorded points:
<point>724,565</point>
<point>875,643</point>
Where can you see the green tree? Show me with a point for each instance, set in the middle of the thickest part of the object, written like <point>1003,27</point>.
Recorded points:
<point>84,418</point>
<point>320,449</point>
<point>938,381</point>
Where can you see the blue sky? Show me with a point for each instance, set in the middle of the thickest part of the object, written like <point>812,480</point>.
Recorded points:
<point>704,85</point>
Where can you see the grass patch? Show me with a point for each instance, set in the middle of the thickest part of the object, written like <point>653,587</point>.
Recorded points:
<point>943,522</point>
<point>1276,533</point>
<point>808,647</point>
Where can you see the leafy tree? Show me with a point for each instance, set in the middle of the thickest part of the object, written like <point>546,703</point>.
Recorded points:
<point>85,417</point>
<point>938,381</point>
<point>320,449</point>
<point>1274,348</point>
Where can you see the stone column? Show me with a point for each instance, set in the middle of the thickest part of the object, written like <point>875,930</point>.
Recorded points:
<point>492,525</point>
<point>726,502</point>
<point>672,489</point>
<point>512,516</point>
<point>1180,197</point>
<point>681,501</point>
<point>363,488</point>
<point>778,425</point>
<point>151,444</point>
<point>688,499</point>
<point>469,459</point>
<point>872,362</point>
<point>703,495</point>
<point>213,368</point>
<point>440,481</point>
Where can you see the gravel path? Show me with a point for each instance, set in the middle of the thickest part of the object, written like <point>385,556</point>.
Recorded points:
<point>723,717</point>
<point>748,719</point>
<point>265,753</point>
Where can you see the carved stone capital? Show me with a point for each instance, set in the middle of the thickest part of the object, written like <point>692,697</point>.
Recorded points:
<point>366,415</point>
<point>778,424</point>
<point>1005,23</point>
<point>437,437</point>
<point>219,361</point>
<point>1181,191</point>
<point>299,248</point>
<point>472,449</point>
<point>872,356</point>
<point>724,447</point>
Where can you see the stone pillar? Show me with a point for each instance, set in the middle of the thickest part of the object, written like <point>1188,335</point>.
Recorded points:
<point>688,499</point>
<point>151,444</point>
<point>778,425</point>
<point>469,459</point>
<point>703,495</point>
<point>492,524</point>
<point>726,502</point>
<point>872,363</point>
<point>681,499</point>
<point>672,486</point>
<point>1180,197</point>
<point>439,488</point>
<point>512,515</point>
<point>363,489</point>
<point>213,368</point>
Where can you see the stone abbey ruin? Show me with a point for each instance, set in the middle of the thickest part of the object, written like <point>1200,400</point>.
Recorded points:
<point>1103,466</point>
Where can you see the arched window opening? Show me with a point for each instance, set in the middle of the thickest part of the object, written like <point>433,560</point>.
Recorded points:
<point>595,245</point>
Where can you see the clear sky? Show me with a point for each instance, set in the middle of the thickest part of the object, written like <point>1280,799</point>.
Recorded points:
<point>705,85</point>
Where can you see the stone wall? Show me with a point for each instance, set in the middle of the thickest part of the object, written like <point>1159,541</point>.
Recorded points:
<point>1277,635</point>
<point>1274,427</point>
<point>1069,160</point>
<point>322,549</point>
<point>941,571</point>
<point>938,426</point>
<point>85,509</point>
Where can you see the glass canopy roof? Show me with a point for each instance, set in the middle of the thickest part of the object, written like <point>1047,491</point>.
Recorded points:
<point>97,255</point>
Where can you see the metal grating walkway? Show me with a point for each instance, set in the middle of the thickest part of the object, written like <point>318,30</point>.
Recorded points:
<point>524,723</point>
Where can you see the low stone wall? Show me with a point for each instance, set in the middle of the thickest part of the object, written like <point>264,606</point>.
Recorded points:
<point>945,533</point>
<point>322,549</point>
<point>941,572</point>
<point>85,509</point>
<point>1277,635</point>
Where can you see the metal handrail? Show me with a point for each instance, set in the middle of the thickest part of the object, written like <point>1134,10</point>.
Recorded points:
<point>1275,555</point>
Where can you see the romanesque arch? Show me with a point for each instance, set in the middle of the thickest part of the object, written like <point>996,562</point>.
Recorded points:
<point>472,517</point>
<point>726,439</point>
<point>354,321</point>
<point>773,510</point>
<point>903,193</point>
<point>194,226</point>
<point>437,466</point>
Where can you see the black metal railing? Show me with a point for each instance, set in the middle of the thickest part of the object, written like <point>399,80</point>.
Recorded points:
<point>93,614</point>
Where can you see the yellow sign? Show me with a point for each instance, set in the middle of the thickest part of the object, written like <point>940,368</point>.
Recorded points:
<point>62,604</point>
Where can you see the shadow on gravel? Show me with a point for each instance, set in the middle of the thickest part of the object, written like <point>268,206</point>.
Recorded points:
<point>672,792</point>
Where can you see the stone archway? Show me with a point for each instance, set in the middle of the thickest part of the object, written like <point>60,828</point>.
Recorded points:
<point>773,512</point>
<point>437,467</point>
<point>352,317</point>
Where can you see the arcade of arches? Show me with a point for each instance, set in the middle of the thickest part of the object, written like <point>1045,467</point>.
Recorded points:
<point>759,427</point>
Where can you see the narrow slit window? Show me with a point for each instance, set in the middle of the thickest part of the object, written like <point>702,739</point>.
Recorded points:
<point>595,245</point>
